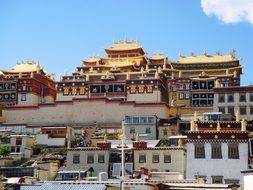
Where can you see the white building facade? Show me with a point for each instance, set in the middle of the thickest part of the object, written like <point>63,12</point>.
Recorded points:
<point>218,156</point>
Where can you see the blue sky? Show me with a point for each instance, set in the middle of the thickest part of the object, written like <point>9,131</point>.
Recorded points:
<point>60,33</point>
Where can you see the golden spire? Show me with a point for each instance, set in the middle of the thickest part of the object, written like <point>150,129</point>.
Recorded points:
<point>105,138</point>
<point>237,116</point>
<point>218,126</point>
<point>243,125</point>
<point>137,137</point>
<point>195,116</point>
<point>192,125</point>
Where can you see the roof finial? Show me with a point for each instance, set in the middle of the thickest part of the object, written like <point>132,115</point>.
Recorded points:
<point>232,53</point>
<point>205,52</point>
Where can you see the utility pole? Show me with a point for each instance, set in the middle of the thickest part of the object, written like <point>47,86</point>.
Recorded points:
<point>122,156</point>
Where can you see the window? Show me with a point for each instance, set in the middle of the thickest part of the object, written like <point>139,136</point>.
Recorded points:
<point>23,97</point>
<point>195,85</point>
<point>82,91</point>
<point>187,86</point>
<point>135,120</point>
<point>231,110</point>
<point>216,151</point>
<point>149,89</point>
<point>155,158</point>
<point>231,181</point>
<point>233,151</point>
<point>165,132</point>
<point>151,120</point>
<point>143,120</point>
<point>90,158</point>
<point>18,141</point>
<point>101,158</point>
<point>148,130</point>
<point>251,97</point>
<point>203,85</point>
<point>167,158</point>
<point>230,97</point>
<point>12,149</point>
<point>142,158</point>
<point>222,109</point>
<point>199,150</point>
<point>221,97</point>
<point>141,89</point>
<point>217,179</point>
<point>181,96</point>
<point>132,130</point>
<point>24,88</point>
<point>74,91</point>
<point>187,95</point>
<point>76,158</point>
<point>242,97</point>
<point>132,89</point>
<point>65,91</point>
<point>243,110</point>
<point>128,119</point>
<point>251,109</point>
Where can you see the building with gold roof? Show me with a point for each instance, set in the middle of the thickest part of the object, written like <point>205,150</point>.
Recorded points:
<point>127,82</point>
<point>26,84</point>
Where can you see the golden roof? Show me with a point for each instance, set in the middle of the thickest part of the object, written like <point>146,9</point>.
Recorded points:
<point>206,58</point>
<point>93,59</point>
<point>124,45</point>
<point>158,56</point>
<point>23,67</point>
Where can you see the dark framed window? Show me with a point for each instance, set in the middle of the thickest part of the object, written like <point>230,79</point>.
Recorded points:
<point>231,181</point>
<point>251,109</point>
<point>233,151</point>
<point>221,109</point>
<point>155,158</point>
<point>200,151</point>
<point>90,158</point>
<point>251,97</point>
<point>148,130</point>
<point>203,85</point>
<point>142,158</point>
<point>216,151</point>
<point>221,97</point>
<point>195,85</point>
<point>132,130</point>
<point>243,110</point>
<point>242,97</point>
<point>167,158</point>
<point>230,97</point>
<point>217,179</point>
<point>18,141</point>
<point>76,158</point>
<point>210,84</point>
<point>101,158</point>
<point>231,110</point>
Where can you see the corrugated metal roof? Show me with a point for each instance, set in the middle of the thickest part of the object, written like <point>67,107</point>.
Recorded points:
<point>64,187</point>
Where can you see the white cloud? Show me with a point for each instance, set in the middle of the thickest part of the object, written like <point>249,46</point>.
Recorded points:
<point>229,11</point>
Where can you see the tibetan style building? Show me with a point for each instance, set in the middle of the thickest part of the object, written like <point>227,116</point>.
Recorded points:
<point>124,82</point>
<point>217,150</point>
<point>26,84</point>
<point>127,74</point>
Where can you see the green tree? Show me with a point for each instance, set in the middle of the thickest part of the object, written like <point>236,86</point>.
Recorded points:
<point>4,149</point>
